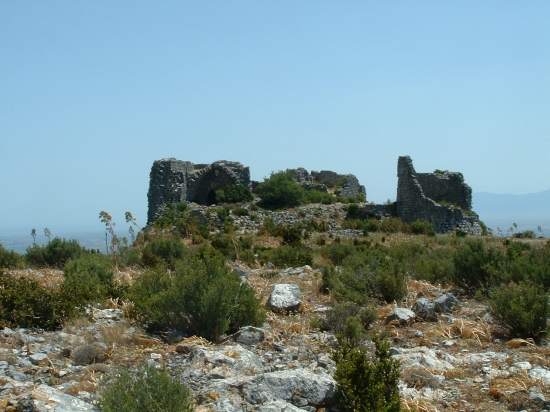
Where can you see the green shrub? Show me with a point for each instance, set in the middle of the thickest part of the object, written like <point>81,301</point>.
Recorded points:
<point>147,389</point>
<point>522,308</point>
<point>9,259</point>
<point>280,190</point>
<point>353,209</point>
<point>434,266</point>
<point>316,196</point>
<point>336,318</point>
<point>423,227</point>
<point>286,256</point>
<point>91,277</point>
<point>24,304</point>
<point>291,234</point>
<point>476,266</point>
<point>526,234</point>
<point>224,244</point>
<point>390,284</point>
<point>58,252</point>
<point>233,194</point>
<point>223,213</point>
<point>370,272</point>
<point>337,252</point>
<point>365,384</point>
<point>484,229</point>
<point>239,211</point>
<point>163,251</point>
<point>35,256</point>
<point>201,296</point>
<point>391,225</point>
<point>175,214</point>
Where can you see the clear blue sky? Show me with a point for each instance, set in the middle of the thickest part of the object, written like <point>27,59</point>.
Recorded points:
<point>91,93</point>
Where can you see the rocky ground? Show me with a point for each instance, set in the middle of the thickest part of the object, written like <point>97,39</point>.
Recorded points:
<point>453,356</point>
<point>452,362</point>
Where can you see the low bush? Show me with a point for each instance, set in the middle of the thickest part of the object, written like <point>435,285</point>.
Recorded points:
<point>34,256</point>
<point>476,266</point>
<point>434,266</point>
<point>336,318</point>
<point>522,308</point>
<point>224,244</point>
<point>353,210</point>
<point>316,196</point>
<point>201,296</point>
<point>526,234</point>
<point>422,227</point>
<point>58,252</point>
<point>90,353</point>
<point>91,278</point>
<point>367,273</point>
<point>239,211</point>
<point>25,304</point>
<point>147,389</point>
<point>337,252</point>
<point>233,194</point>
<point>163,251</point>
<point>174,214</point>
<point>391,225</point>
<point>365,384</point>
<point>280,190</point>
<point>286,256</point>
<point>9,259</point>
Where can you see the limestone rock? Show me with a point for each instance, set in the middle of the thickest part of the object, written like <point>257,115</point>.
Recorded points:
<point>47,399</point>
<point>402,315</point>
<point>316,389</point>
<point>39,359</point>
<point>424,308</point>
<point>425,357</point>
<point>278,406</point>
<point>285,297</point>
<point>250,335</point>
<point>445,303</point>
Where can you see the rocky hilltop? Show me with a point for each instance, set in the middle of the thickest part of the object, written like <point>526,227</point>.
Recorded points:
<point>465,315</point>
<point>454,355</point>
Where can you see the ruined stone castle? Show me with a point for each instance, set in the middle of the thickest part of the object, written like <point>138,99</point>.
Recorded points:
<point>441,198</point>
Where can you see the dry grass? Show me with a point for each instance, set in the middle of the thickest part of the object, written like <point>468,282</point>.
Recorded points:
<point>49,279</point>
<point>8,356</point>
<point>516,343</point>
<point>480,332</point>
<point>73,325</point>
<point>502,388</point>
<point>417,405</point>
<point>115,335</point>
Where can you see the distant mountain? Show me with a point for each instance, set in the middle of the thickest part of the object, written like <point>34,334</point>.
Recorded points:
<point>502,210</point>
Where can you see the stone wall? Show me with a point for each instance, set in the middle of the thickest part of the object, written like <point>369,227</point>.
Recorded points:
<point>176,181</point>
<point>446,186</point>
<point>413,204</point>
<point>327,179</point>
<point>418,194</point>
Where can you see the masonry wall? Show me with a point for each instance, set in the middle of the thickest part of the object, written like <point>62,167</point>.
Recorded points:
<point>176,181</point>
<point>448,186</point>
<point>412,204</point>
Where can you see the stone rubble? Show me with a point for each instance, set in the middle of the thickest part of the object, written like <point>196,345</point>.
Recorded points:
<point>269,368</point>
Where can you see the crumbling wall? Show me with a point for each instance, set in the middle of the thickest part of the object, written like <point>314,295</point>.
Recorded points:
<point>167,184</point>
<point>176,181</point>
<point>326,179</point>
<point>418,194</point>
<point>412,203</point>
<point>447,187</point>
